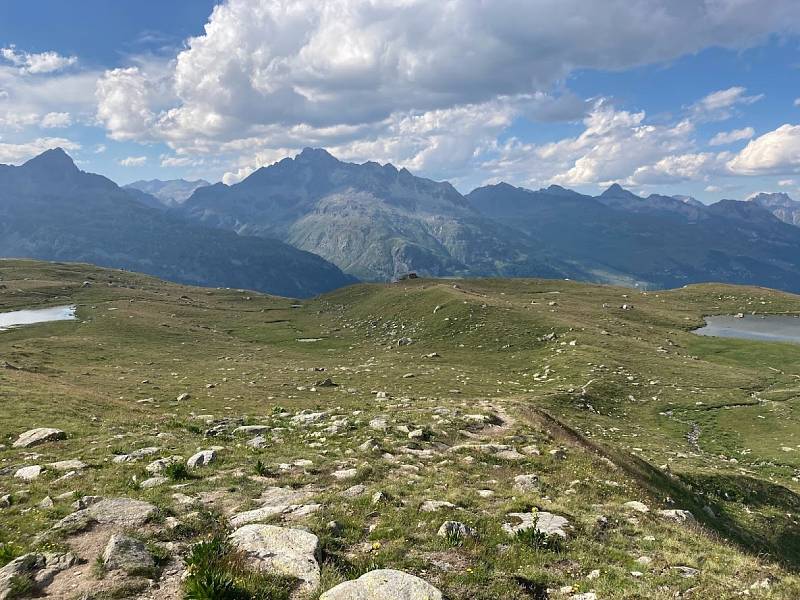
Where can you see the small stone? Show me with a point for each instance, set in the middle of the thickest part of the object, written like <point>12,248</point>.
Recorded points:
<point>342,474</point>
<point>526,483</point>
<point>153,482</point>
<point>637,506</point>
<point>184,396</point>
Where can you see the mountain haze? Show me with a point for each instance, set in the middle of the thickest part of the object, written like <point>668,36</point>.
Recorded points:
<point>51,210</point>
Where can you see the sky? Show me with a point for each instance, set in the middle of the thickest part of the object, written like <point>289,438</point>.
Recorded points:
<point>694,97</point>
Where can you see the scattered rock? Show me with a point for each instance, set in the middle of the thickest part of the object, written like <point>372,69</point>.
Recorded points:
<point>153,482</point>
<point>281,551</point>
<point>345,473</point>
<point>384,584</point>
<point>40,435</point>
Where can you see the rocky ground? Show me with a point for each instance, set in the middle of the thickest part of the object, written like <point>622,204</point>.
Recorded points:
<point>423,440</point>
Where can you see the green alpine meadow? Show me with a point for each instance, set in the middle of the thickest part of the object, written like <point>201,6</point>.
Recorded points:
<point>478,439</point>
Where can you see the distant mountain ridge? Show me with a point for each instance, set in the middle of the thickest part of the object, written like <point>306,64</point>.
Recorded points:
<point>779,204</point>
<point>373,221</point>
<point>49,209</point>
<point>171,192</point>
<point>296,227</point>
<point>658,241</point>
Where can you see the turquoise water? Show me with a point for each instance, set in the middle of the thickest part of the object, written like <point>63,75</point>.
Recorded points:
<point>18,318</point>
<point>768,328</point>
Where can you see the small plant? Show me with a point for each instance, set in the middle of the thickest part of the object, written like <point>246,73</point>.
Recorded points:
<point>19,586</point>
<point>177,471</point>
<point>262,470</point>
<point>8,552</point>
<point>216,571</point>
<point>99,568</point>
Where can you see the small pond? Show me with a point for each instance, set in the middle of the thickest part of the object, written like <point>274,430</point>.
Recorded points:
<point>18,318</point>
<point>768,328</point>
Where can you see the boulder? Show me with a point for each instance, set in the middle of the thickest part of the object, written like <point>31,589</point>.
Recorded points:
<point>384,584</point>
<point>28,473</point>
<point>281,551</point>
<point>124,553</point>
<point>40,435</point>
<point>637,506</point>
<point>201,459</point>
<point>276,501</point>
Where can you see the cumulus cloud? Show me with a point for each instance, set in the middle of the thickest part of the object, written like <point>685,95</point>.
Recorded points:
<point>728,137</point>
<point>326,63</point>
<point>35,64</point>
<point>720,105</point>
<point>775,152</point>
<point>17,153</point>
<point>787,183</point>
<point>133,161</point>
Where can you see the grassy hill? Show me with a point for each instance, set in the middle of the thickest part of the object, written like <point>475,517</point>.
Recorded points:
<point>444,391</point>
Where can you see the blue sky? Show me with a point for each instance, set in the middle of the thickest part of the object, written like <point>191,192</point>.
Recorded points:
<point>690,97</point>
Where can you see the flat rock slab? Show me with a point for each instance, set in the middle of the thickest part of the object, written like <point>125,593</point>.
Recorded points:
<point>124,512</point>
<point>38,568</point>
<point>544,522</point>
<point>281,551</point>
<point>384,584</point>
<point>40,435</point>
<point>275,501</point>
<point>68,465</point>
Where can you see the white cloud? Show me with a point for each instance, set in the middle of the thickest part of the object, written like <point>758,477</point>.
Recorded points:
<point>728,137</point>
<point>36,64</point>
<point>720,105</point>
<point>53,120</point>
<point>320,64</point>
<point>797,102</point>
<point>133,161</point>
<point>777,151</point>
<point>787,183</point>
<point>18,153</point>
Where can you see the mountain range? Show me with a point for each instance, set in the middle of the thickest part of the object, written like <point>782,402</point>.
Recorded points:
<point>49,209</point>
<point>311,223</point>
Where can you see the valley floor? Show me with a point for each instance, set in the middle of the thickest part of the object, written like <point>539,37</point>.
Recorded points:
<point>373,415</point>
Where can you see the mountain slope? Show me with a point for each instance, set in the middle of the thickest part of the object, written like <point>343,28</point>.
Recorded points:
<point>376,222</point>
<point>49,209</point>
<point>657,241</point>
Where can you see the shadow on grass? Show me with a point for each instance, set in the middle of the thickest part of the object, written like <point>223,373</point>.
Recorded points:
<point>703,495</point>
